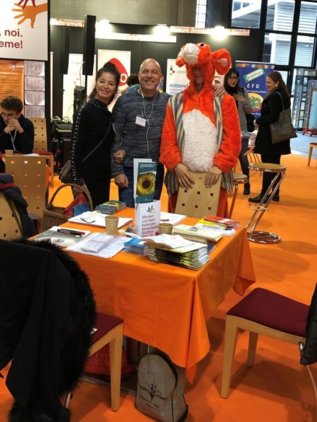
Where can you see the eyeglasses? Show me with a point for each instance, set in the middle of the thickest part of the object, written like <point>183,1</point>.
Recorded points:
<point>233,77</point>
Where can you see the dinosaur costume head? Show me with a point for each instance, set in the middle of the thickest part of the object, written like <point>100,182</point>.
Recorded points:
<point>200,55</point>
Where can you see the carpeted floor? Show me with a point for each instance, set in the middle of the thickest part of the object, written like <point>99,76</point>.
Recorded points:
<point>277,388</point>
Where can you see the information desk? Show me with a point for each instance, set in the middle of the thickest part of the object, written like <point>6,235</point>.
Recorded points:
<point>167,306</point>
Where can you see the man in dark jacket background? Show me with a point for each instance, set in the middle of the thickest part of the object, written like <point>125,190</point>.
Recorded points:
<point>16,131</point>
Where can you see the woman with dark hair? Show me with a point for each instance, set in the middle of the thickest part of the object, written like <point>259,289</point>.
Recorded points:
<point>276,100</point>
<point>243,103</point>
<point>93,136</point>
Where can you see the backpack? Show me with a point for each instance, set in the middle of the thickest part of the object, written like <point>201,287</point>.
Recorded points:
<point>160,389</point>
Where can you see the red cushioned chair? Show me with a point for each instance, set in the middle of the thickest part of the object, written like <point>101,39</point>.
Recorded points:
<point>109,331</point>
<point>265,312</point>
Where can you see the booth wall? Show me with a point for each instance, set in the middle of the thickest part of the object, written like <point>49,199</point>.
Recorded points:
<point>241,48</point>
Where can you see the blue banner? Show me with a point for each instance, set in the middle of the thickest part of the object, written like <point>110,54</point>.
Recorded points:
<point>252,78</point>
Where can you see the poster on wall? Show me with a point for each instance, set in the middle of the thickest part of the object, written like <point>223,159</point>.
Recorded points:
<point>252,78</point>
<point>24,29</point>
<point>176,79</point>
<point>120,58</point>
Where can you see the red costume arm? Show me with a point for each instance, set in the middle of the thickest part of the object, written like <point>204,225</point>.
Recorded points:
<point>227,156</point>
<point>170,154</point>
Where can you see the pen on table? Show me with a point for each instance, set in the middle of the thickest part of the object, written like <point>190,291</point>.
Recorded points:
<point>72,232</point>
<point>164,219</point>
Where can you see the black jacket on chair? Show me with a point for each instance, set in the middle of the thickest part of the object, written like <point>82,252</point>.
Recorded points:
<point>47,312</point>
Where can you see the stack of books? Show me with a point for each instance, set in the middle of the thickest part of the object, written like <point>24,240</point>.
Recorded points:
<point>198,233</point>
<point>185,253</point>
<point>110,207</point>
<point>134,245</point>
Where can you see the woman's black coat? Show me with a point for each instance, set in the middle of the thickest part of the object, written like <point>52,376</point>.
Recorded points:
<point>271,108</point>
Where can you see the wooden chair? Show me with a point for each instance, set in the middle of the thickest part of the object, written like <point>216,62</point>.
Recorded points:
<point>40,143</point>
<point>199,200</point>
<point>109,331</point>
<point>312,145</point>
<point>10,222</point>
<point>239,179</point>
<point>262,312</point>
<point>29,173</point>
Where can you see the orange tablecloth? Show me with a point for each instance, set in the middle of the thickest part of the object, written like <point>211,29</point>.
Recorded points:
<point>164,305</point>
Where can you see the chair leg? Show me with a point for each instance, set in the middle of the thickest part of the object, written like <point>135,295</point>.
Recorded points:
<point>115,368</point>
<point>253,339</point>
<point>229,350</point>
<point>309,155</point>
<point>233,200</point>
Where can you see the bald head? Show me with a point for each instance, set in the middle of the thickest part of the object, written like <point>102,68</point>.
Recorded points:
<point>150,62</point>
<point>149,76</point>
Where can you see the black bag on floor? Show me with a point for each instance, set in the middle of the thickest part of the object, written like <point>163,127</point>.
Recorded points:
<point>160,389</point>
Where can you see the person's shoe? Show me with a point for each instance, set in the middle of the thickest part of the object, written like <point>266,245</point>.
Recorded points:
<point>276,198</point>
<point>246,189</point>
<point>256,199</point>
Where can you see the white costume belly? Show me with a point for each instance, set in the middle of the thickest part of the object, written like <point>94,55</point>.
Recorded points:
<point>200,141</point>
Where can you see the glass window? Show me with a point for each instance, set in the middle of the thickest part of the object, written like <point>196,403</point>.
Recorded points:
<point>308,18</point>
<point>276,48</point>
<point>201,9</point>
<point>304,50</point>
<point>279,15</point>
<point>246,14</point>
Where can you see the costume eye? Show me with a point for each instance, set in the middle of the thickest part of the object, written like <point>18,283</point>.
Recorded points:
<point>201,44</point>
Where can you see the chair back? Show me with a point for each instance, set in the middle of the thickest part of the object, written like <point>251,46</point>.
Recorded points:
<point>29,173</point>
<point>199,200</point>
<point>40,133</point>
<point>10,222</point>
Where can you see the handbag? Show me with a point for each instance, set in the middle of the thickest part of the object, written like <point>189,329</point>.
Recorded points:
<point>282,129</point>
<point>65,175</point>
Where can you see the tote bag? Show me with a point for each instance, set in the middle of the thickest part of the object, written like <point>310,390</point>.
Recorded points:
<point>282,129</point>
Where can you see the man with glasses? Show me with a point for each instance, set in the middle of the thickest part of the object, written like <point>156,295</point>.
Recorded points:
<point>16,131</point>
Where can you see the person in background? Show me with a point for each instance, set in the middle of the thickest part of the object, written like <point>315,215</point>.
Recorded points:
<point>132,82</point>
<point>243,103</point>
<point>93,136</point>
<point>138,119</point>
<point>272,105</point>
<point>201,139</point>
<point>16,131</point>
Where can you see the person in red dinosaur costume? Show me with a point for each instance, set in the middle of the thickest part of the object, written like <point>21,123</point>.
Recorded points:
<point>206,137</point>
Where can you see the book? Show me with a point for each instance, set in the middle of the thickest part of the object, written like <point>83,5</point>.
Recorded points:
<point>183,257</point>
<point>198,232</point>
<point>62,236</point>
<point>134,245</point>
<point>110,207</point>
<point>227,222</point>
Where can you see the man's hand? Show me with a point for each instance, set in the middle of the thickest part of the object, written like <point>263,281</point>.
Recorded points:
<point>121,181</point>
<point>212,176</point>
<point>13,124</point>
<point>219,90</point>
<point>119,156</point>
<point>183,176</point>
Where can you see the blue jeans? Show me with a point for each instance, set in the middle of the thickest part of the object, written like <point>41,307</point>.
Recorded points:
<point>126,194</point>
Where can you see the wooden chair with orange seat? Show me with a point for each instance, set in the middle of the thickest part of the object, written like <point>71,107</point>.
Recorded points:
<point>265,312</point>
<point>40,143</point>
<point>109,330</point>
<point>29,173</point>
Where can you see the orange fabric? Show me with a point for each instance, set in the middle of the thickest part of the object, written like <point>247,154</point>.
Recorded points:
<point>164,305</point>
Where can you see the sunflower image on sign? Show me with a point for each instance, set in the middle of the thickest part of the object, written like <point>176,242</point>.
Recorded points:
<point>146,182</point>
